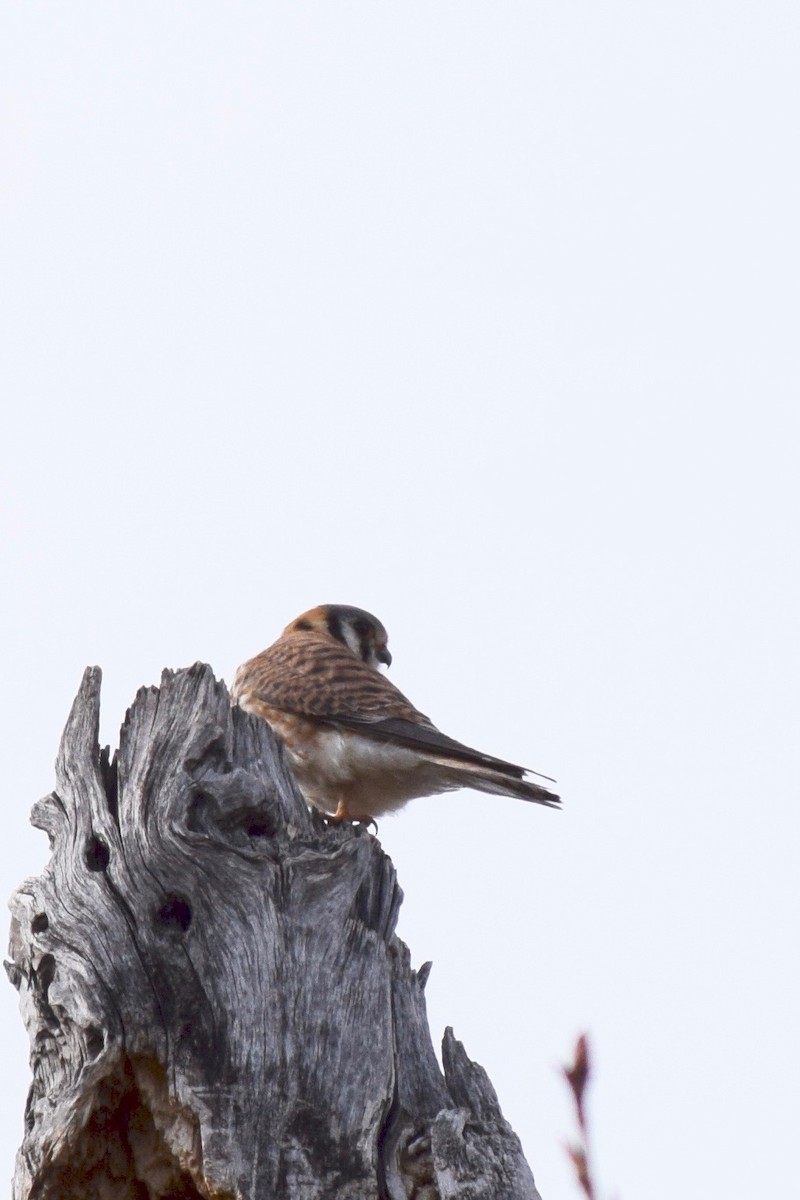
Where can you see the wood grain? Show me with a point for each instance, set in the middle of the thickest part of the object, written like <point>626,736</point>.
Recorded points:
<point>217,1002</point>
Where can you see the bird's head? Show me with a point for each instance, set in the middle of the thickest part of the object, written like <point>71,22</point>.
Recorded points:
<point>353,627</point>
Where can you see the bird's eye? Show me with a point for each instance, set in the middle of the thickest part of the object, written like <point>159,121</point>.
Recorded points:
<point>362,627</point>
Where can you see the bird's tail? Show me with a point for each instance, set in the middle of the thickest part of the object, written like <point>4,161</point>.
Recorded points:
<point>502,783</point>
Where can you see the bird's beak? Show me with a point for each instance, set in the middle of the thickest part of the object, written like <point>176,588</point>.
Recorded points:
<point>382,654</point>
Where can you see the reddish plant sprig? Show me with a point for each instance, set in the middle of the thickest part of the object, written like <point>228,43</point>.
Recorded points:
<point>577,1076</point>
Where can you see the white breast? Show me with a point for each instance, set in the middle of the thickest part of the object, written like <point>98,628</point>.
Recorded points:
<point>369,776</point>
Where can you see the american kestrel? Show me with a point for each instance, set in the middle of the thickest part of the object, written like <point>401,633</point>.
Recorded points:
<point>357,747</point>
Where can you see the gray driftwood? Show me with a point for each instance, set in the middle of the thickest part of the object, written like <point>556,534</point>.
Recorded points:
<point>217,1003</point>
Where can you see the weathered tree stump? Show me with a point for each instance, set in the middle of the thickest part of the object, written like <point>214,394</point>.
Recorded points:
<point>217,1002</point>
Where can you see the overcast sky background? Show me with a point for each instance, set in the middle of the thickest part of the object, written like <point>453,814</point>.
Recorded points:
<point>483,317</point>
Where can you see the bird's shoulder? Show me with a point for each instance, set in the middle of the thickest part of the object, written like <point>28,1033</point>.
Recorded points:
<point>311,674</point>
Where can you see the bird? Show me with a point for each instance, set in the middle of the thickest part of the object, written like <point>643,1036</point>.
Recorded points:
<point>357,747</point>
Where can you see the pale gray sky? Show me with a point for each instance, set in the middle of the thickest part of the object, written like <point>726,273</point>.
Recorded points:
<point>482,317</point>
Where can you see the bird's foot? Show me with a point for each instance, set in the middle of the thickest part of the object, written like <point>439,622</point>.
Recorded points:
<point>342,816</point>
